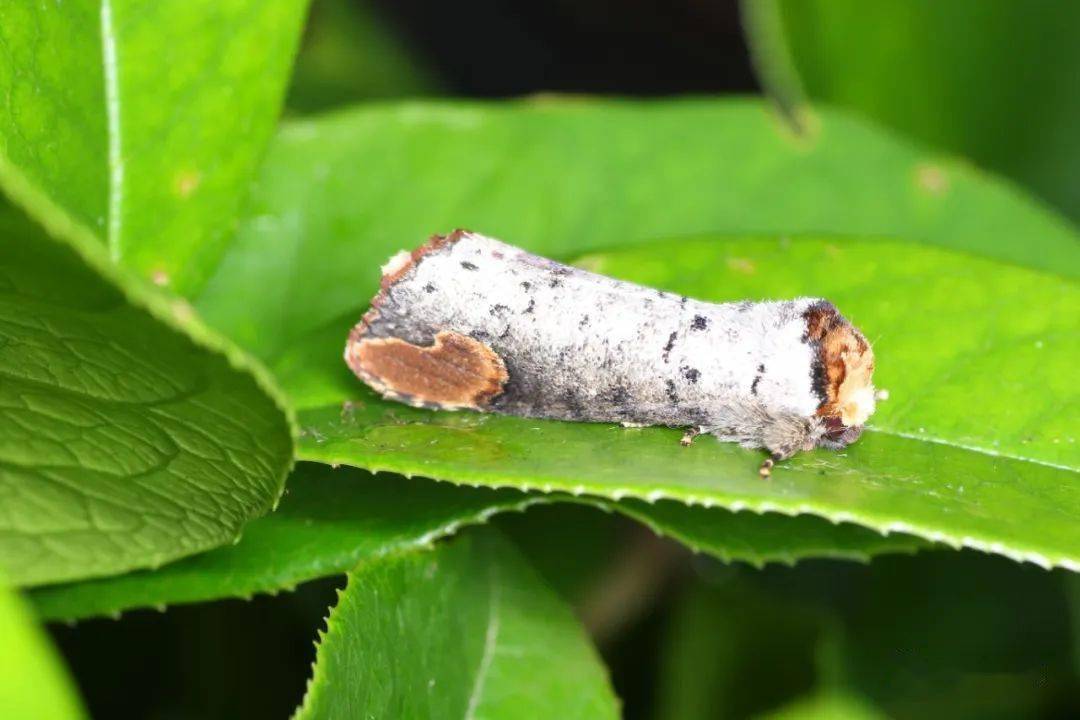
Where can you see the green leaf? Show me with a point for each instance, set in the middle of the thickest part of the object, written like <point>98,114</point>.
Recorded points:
<point>332,520</point>
<point>123,443</point>
<point>759,539</point>
<point>338,195</point>
<point>130,133</point>
<point>327,523</point>
<point>997,81</point>
<point>33,683</point>
<point>953,456</point>
<point>465,630</point>
<point>143,121</point>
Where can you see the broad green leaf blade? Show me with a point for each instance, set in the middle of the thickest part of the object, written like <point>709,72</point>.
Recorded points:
<point>950,457</point>
<point>52,122</point>
<point>465,630</point>
<point>329,521</point>
<point>123,443</point>
<point>997,81</point>
<point>338,195</point>
<point>145,121</point>
<point>33,683</point>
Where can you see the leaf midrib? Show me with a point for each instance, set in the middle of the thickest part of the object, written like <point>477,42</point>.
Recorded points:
<point>491,639</point>
<point>972,449</point>
<point>110,74</point>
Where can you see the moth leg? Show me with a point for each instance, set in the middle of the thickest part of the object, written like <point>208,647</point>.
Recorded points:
<point>688,436</point>
<point>765,471</point>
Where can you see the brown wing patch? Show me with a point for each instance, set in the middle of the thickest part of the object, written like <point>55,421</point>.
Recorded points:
<point>845,368</point>
<point>456,371</point>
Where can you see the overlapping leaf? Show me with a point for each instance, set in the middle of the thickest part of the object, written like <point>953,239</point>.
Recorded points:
<point>131,434</point>
<point>143,122</point>
<point>122,443</point>
<point>465,630</point>
<point>330,521</point>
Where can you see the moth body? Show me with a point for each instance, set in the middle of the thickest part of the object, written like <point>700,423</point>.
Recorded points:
<point>466,321</point>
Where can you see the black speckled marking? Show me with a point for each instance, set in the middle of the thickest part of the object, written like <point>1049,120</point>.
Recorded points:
<point>700,323</point>
<point>819,376</point>
<point>819,379</point>
<point>498,309</point>
<point>468,265</point>
<point>526,284</point>
<point>691,374</point>
<point>669,345</point>
<point>583,322</point>
<point>429,288</point>
<point>757,379</point>
<point>671,394</point>
<point>530,308</point>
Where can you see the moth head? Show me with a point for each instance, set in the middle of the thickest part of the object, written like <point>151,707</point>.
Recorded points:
<point>844,372</point>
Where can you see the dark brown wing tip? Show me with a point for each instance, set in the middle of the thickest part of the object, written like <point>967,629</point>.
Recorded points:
<point>456,371</point>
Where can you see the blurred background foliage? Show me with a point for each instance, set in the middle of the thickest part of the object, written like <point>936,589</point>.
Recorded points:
<point>937,634</point>
<point>995,81</point>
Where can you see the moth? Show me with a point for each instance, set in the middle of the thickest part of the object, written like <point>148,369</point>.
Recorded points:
<point>466,321</point>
